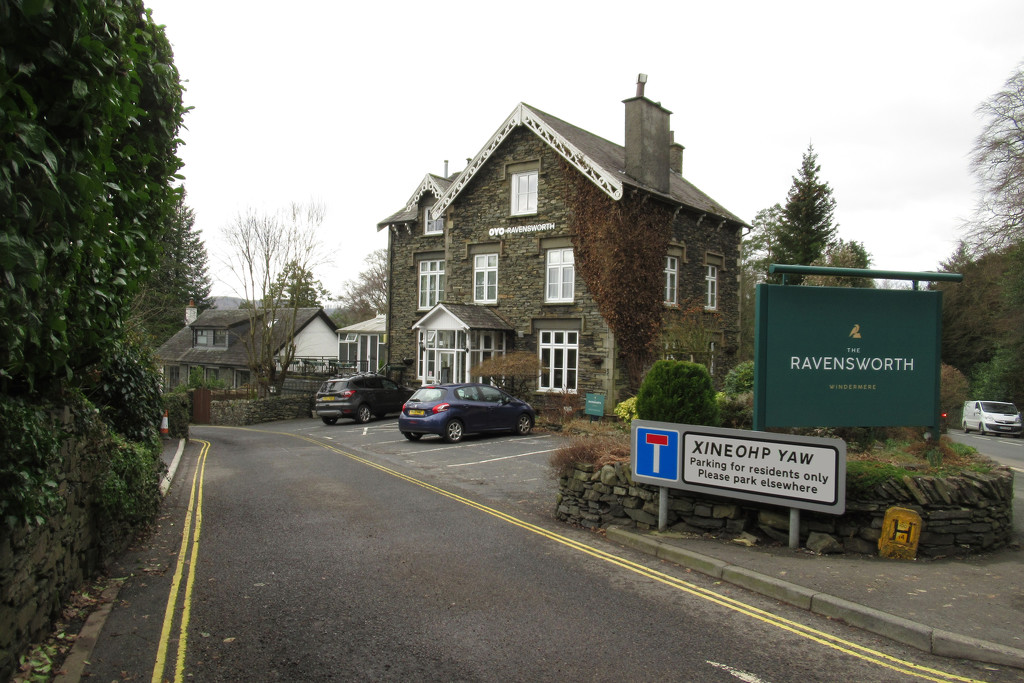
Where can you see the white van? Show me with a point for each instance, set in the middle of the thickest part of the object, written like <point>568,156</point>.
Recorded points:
<point>993,417</point>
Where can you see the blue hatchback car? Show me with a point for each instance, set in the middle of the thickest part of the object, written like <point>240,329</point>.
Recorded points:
<point>454,410</point>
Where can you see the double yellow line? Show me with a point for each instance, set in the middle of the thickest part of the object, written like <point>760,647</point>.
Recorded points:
<point>187,554</point>
<point>847,647</point>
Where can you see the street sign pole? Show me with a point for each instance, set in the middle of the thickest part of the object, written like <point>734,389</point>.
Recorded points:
<point>662,508</point>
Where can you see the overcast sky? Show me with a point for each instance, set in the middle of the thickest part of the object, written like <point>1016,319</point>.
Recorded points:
<point>351,104</point>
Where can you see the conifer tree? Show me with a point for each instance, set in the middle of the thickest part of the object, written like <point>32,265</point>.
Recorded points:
<point>807,218</point>
<point>181,276</point>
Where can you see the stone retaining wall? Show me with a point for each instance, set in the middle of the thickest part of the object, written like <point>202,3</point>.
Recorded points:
<point>247,412</point>
<point>969,513</point>
<point>41,565</point>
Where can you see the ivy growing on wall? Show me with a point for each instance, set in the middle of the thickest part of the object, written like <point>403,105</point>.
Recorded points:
<point>620,248</point>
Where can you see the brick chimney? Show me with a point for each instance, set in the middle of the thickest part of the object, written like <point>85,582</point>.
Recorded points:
<point>647,139</point>
<point>191,312</point>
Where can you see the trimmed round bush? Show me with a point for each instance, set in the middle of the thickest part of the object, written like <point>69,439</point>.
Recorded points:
<point>677,391</point>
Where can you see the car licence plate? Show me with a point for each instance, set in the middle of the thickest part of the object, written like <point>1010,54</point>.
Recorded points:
<point>327,398</point>
<point>417,412</point>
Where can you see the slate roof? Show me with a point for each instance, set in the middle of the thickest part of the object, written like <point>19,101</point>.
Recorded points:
<point>612,157</point>
<point>473,316</point>
<point>603,161</point>
<point>178,350</point>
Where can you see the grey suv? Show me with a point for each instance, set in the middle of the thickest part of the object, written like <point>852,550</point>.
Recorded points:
<point>360,397</point>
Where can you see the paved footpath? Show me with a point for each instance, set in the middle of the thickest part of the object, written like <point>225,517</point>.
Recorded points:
<point>969,608</point>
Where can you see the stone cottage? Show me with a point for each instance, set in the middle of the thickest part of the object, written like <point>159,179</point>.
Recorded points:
<point>558,242</point>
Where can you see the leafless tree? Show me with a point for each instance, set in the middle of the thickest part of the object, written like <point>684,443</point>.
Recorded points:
<point>998,162</point>
<point>367,295</point>
<point>260,248</point>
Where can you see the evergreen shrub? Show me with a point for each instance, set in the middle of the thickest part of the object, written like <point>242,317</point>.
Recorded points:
<point>678,391</point>
<point>740,379</point>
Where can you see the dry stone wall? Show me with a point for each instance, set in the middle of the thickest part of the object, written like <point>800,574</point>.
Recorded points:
<point>962,515</point>
<point>246,412</point>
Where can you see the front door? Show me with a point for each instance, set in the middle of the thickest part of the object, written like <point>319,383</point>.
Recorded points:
<point>446,367</point>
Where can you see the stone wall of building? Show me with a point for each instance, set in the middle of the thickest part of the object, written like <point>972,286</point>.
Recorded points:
<point>965,514</point>
<point>475,223</point>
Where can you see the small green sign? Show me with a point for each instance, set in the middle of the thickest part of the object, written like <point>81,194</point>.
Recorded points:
<point>595,405</point>
<point>837,356</point>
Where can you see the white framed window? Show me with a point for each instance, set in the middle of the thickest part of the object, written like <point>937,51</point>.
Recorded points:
<point>432,226</point>
<point>484,345</point>
<point>431,282</point>
<point>485,278</point>
<point>671,280</point>
<point>711,291</point>
<point>524,193</point>
<point>559,360</point>
<point>561,275</point>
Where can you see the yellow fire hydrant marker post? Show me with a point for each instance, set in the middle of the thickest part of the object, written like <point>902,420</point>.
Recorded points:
<point>901,531</point>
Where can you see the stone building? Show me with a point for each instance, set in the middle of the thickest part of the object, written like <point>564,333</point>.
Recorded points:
<point>486,262</point>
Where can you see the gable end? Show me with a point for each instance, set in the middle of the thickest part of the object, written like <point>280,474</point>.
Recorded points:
<point>524,116</point>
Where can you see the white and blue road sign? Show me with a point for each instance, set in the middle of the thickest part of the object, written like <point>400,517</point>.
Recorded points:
<point>656,453</point>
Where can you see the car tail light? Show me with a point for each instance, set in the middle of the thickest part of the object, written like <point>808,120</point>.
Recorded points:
<point>348,393</point>
<point>440,408</point>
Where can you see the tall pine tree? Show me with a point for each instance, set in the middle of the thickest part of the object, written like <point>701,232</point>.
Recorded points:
<point>807,229</point>
<point>182,275</point>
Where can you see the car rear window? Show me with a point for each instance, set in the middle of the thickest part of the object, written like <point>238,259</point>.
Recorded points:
<point>427,395</point>
<point>335,385</point>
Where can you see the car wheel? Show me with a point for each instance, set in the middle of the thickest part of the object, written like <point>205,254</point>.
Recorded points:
<point>963,425</point>
<point>329,420</point>
<point>364,414</point>
<point>524,425</point>
<point>453,432</point>
<point>412,436</point>
<point>981,428</point>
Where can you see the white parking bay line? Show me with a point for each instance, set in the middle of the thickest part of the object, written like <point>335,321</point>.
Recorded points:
<point>504,457</point>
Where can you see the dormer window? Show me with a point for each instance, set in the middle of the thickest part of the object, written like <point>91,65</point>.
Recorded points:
<point>524,193</point>
<point>432,226</point>
<point>211,338</point>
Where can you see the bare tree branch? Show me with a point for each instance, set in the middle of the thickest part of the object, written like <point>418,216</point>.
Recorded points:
<point>261,248</point>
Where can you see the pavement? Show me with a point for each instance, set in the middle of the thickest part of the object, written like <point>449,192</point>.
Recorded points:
<point>968,608</point>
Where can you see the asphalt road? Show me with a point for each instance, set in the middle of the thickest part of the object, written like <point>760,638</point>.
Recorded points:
<point>305,552</point>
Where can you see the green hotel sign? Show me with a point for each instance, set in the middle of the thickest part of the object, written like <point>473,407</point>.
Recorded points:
<point>841,357</point>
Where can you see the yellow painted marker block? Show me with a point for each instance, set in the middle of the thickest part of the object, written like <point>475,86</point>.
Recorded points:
<point>901,531</point>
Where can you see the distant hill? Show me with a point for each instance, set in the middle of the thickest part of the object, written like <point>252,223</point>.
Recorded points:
<point>226,303</point>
